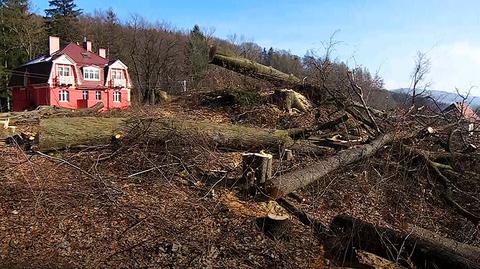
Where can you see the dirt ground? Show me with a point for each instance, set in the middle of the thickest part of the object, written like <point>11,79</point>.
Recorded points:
<point>88,209</point>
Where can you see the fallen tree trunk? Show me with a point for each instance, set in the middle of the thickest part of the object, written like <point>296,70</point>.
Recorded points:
<point>63,133</point>
<point>422,247</point>
<point>252,69</point>
<point>315,93</point>
<point>50,111</point>
<point>292,181</point>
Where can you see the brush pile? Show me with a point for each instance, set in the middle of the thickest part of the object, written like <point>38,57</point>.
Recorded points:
<point>349,185</point>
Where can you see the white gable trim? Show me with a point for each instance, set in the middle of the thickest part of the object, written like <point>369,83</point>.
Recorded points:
<point>62,59</point>
<point>118,64</point>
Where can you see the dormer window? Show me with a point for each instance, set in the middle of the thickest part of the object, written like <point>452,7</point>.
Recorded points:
<point>117,74</point>
<point>63,71</point>
<point>91,73</point>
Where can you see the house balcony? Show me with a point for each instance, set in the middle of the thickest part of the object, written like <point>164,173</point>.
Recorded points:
<point>65,80</point>
<point>119,83</point>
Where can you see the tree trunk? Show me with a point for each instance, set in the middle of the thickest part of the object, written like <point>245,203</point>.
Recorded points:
<point>292,181</point>
<point>426,249</point>
<point>253,69</point>
<point>62,133</point>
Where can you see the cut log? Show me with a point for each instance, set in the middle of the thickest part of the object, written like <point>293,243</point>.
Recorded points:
<point>51,111</point>
<point>289,99</point>
<point>62,133</point>
<point>289,182</point>
<point>253,69</point>
<point>422,247</point>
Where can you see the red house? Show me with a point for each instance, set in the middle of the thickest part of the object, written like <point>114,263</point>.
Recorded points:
<point>71,77</point>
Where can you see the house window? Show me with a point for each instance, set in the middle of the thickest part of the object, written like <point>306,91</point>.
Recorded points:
<point>64,96</point>
<point>85,95</point>
<point>91,73</point>
<point>98,95</point>
<point>63,71</point>
<point>117,96</point>
<point>117,74</point>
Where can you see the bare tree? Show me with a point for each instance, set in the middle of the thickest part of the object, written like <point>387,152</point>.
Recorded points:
<point>419,83</point>
<point>152,55</point>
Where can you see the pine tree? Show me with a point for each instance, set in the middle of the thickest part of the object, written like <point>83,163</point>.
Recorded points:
<point>270,55</point>
<point>62,19</point>
<point>198,53</point>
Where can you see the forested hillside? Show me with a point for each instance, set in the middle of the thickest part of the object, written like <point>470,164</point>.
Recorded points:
<point>160,56</point>
<point>228,154</point>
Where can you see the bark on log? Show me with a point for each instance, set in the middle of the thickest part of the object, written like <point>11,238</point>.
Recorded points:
<point>254,69</point>
<point>426,249</point>
<point>62,133</point>
<point>50,111</point>
<point>300,178</point>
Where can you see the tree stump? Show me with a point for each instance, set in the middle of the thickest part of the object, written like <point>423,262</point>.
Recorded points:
<point>288,155</point>
<point>257,169</point>
<point>276,224</point>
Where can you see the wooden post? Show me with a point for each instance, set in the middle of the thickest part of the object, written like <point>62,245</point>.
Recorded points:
<point>257,169</point>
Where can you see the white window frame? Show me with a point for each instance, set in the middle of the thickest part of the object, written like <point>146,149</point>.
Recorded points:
<point>64,96</point>
<point>63,71</point>
<point>117,74</point>
<point>84,95</point>
<point>98,95</point>
<point>91,73</point>
<point>117,96</point>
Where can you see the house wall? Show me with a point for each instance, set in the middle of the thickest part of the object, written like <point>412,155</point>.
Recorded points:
<point>30,97</point>
<point>76,98</point>
<point>20,99</point>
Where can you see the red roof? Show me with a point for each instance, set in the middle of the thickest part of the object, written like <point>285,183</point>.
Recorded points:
<point>466,111</point>
<point>81,56</point>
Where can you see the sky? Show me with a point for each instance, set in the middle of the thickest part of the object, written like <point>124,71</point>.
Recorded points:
<point>382,35</point>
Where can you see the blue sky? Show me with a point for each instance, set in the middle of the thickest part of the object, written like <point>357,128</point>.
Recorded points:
<point>384,36</point>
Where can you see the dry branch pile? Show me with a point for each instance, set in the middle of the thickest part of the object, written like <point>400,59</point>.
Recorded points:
<point>161,187</point>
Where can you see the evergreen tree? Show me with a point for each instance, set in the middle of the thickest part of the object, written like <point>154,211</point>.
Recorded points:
<point>20,36</point>
<point>269,59</point>
<point>198,53</point>
<point>62,19</point>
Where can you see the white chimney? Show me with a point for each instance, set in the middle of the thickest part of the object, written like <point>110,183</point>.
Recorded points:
<point>53,44</point>
<point>87,45</point>
<point>102,53</point>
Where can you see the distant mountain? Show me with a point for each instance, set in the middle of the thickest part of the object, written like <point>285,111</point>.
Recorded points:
<point>446,98</point>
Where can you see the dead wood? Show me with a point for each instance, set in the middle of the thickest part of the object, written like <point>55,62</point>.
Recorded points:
<point>289,99</point>
<point>63,133</point>
<point>321,230</point>
<point>333,123</point>
<point>300,178</point>
<point>422,247</point>
<point>256,169</point>
<point>252,69</point>
<point>447,184</point>
<point>51,111</point>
